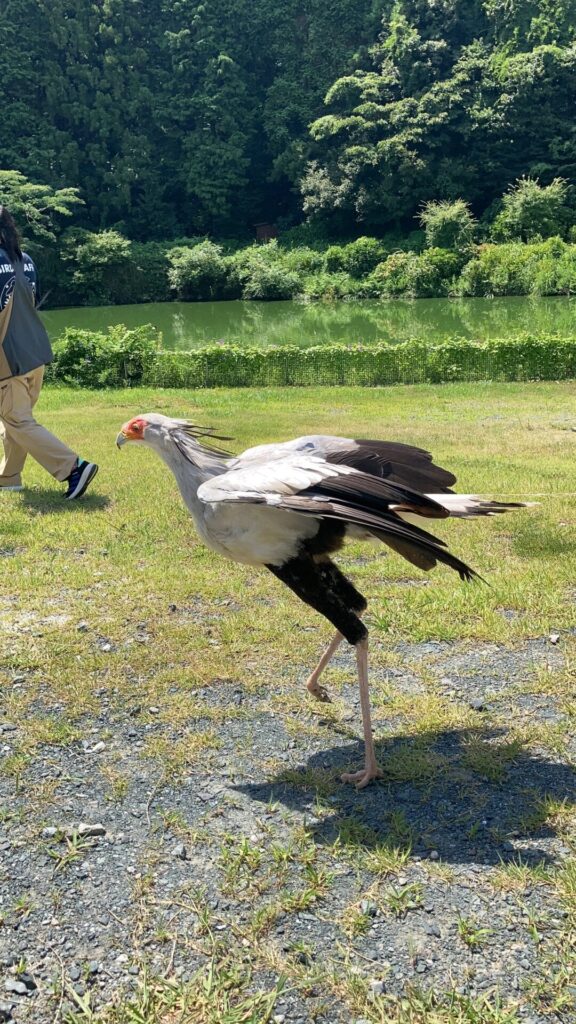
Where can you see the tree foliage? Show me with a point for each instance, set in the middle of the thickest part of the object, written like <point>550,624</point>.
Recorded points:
<point>176,118</point>
<point>456,101</point>
<point>38,209</point>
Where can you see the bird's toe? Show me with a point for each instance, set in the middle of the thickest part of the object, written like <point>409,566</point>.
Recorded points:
<point>320,693</point>
<point>362,778</point>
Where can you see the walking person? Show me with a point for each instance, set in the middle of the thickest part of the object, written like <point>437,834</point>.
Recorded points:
<point>24,352</point>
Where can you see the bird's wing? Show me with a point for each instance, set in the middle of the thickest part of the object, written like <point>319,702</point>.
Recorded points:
<point>280,475</point>
<point>313,487</point>
<point>400,463</point>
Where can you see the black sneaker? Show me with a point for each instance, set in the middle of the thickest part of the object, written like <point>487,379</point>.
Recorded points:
<point>80,477</point>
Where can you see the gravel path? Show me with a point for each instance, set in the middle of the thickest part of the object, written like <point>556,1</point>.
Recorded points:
<point>106,876</point>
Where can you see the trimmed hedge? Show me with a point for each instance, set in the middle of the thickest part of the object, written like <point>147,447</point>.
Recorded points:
<point>125,358</point>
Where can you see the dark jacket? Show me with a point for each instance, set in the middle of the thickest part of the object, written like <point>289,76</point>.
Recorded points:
<point>24,343</point>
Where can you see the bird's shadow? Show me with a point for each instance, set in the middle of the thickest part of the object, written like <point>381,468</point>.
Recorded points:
<point>48,500</point>
<point>483,801</point>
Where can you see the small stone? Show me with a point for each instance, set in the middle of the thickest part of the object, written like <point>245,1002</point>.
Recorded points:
<point>82,627</point>
<point>172,607</point>
<point>93,967</point>
<point>554,638</point>
<point>376,987</point>
<point>18,680</point>
<point>179,851</point>
<point>75,973</point>
<point>279,1018</point>
<point>85,830</point>
<point>434,855</point>
<point>6,1012</point>
<point>154,710</point>
<point>421,967</point>
<point>49,832</point>
<point>477,704</point>
<point>98,747</point>
<point>16,986</point>
<point>433,929</point>
<point>105,648</point>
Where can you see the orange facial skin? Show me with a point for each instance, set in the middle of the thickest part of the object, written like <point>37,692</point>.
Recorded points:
<point>133,430</point>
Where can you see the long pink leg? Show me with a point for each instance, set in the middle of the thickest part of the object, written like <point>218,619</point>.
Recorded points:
<point>320,692</point>
<point>371,769</point>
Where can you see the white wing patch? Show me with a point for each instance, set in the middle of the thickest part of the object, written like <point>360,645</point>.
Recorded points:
<point>269,481</point>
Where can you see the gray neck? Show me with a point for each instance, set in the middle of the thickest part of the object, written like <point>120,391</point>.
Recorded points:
<point>190,475</point>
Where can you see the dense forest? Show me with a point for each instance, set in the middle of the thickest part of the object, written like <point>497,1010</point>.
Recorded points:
<point>185,118</point>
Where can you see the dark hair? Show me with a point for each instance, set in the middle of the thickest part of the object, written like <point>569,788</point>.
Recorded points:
<point>9,234</point>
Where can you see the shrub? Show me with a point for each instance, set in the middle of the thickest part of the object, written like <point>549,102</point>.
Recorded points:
<point>418,275</point>
<point>362,256</point>
<point>259,273</point>
<point>412,362</point>
<point>271,282</point>
<point>96,263</point>
<point>543,268</point>
<point>125,357</point>
<point>448,225</point>
<point>302,260</point>
<point>198,272</point>
<point>334,258</point>
<point>495,270</point>
<point>358,258</point>
<point>328,286</point>
<point>91,359</point>
<point>531,211</point>
<point>147,279</point>
<point>103,268</point>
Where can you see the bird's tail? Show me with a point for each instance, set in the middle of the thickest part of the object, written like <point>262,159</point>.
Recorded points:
<point>468,506</point>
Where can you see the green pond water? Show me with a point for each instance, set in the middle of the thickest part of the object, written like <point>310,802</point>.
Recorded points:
<point>186,325</point>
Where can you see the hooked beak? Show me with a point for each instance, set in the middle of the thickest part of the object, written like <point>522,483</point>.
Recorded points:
<point>121,439</point>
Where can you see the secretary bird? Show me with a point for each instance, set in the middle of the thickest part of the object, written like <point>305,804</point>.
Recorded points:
<point>290,506</point>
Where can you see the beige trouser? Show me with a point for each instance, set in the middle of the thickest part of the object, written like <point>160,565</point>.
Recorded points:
<point>23,436</point>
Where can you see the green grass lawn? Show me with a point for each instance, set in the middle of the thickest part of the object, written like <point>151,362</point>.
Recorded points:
<point>124,558</point>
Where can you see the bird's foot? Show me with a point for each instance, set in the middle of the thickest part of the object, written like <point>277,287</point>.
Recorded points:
<point>318,692</point>
<point>364,777</point>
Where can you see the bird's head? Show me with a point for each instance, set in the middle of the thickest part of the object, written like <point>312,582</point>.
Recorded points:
<point>166,434</point>
<point>150,428</point>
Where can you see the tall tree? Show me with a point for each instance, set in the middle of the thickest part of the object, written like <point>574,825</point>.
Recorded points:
<point>444,111</point>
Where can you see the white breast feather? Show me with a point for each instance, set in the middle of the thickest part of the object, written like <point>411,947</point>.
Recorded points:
<point>255,534</point>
